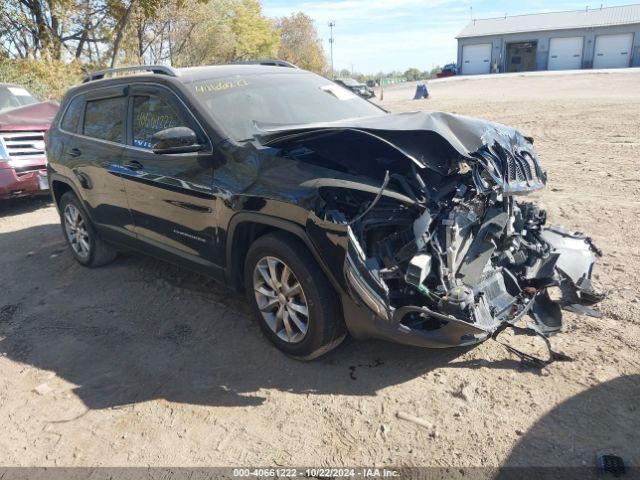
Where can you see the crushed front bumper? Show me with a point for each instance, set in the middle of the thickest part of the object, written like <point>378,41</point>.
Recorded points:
<point>368,312</point>
<point>372,316</point>
<point>362,323</point>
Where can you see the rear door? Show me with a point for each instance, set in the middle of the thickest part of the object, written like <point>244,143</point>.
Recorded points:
<point>92,149</point>
<point>613,51</point>
<point>170,195</point>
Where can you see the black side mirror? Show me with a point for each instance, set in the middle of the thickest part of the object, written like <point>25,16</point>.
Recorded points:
<point>175,140</point>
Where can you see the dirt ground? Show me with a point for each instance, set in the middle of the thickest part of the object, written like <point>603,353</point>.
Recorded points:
<point>140,363</point>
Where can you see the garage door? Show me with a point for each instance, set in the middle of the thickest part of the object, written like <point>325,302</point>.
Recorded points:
<point>476,59</point>
<point>613,51</point>
<point>565,53</point>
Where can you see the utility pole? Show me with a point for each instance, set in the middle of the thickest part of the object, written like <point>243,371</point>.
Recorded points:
<point>331,25</point>
<point>170,46</point>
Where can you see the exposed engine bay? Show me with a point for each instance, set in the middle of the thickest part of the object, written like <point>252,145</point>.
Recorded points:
<point>446,245</point>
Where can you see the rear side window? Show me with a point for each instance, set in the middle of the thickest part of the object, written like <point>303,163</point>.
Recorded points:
<point>72,116</point>
<point>152,114</point>
<point>103,119</point>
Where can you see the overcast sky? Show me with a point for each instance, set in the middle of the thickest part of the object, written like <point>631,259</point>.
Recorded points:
<point>386,35</point>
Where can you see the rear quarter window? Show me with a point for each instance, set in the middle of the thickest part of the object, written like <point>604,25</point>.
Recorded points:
<point>72,116</point>
<point>103,119</point>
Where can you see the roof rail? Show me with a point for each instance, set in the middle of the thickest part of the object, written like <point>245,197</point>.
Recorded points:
<point>159,69</point>
<point>267,62</point>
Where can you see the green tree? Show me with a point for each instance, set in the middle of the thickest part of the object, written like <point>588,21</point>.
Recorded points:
<point>201,33</point>
<point>435,71</point>
<point>46,79</point>
<point>87,30</point>
<point>122,11</point>
<point>46,28</point>
<point>116,32</point>
<point>254,35</point>
<point>413,74</point>
<point>299,43</point>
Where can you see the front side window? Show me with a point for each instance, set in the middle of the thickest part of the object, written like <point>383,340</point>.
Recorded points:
<point>151,115</point>
<point>103,119</point>
<point>72,116</point>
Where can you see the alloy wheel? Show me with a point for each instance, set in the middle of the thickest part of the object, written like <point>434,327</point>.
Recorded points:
<point>281,300</point>
<point>77,232</point>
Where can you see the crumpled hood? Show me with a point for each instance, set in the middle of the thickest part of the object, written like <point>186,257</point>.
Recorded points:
<point>465,134</point>
<point>37,116</point>
<point>504,153</point>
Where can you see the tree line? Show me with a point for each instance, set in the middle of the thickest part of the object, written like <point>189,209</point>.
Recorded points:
<point>410,75</point>
<point>177,32</point>
<point>48,45</point>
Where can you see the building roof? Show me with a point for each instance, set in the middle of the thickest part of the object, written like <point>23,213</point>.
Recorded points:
<point>599,17</point>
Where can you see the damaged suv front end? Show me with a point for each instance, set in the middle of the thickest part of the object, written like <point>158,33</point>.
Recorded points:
<point>440,249</point>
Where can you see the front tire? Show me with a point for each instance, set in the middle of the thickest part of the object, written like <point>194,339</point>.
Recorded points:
<point>84,242</point>
<point>296,306</point>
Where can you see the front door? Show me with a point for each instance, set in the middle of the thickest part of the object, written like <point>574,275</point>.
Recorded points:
<point>170,195</point>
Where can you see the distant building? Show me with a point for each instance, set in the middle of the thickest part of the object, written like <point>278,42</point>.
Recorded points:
<point>590,38</point>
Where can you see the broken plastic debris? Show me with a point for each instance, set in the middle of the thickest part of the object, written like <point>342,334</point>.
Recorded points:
<point>43,389</point>
<point>410,418</point>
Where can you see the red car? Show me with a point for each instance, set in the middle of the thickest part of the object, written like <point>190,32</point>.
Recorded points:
<point>23,123</point>
<point>449,70</point>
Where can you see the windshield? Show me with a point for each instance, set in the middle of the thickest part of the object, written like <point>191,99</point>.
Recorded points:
<point>13,97</point>
<point>242,102</point>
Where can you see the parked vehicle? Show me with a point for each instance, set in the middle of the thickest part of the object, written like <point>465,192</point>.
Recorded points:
<point>23,123</point>
<point>449,70</point>
<point>356,87</point>
<point>332,214</point>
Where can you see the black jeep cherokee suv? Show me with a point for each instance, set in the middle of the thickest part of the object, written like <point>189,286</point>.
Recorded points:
<point>332,214</point>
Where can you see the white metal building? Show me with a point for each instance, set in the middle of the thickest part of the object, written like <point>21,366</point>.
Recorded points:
<point>591,38</point>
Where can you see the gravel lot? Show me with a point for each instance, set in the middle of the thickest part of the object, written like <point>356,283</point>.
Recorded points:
<point>140,363</point>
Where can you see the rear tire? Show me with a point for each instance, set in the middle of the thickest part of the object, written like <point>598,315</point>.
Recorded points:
<point>285,297</point>
<point>84,242</point>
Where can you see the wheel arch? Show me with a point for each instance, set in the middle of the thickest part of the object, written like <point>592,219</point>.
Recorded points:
<point>61,185</point>
<point>246,227</point>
